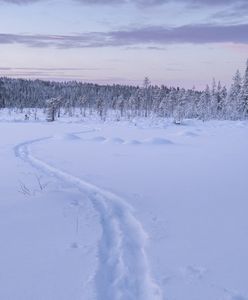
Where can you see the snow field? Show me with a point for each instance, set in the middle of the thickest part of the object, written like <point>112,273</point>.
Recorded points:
<point>117,211</point>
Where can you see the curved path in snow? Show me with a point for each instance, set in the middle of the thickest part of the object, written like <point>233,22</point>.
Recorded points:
<point>123,271</point>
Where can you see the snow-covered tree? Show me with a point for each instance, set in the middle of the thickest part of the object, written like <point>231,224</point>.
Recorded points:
<point>204,105</point>
<point>244,94</point>
<point>53,106</point>
<point>2,94</point>
<point>146,96</point>
<point>179,110</point>
<point>233,100</point>
<point>128,101</point>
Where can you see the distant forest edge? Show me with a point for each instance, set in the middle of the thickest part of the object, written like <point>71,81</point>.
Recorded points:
<point>215,102</point>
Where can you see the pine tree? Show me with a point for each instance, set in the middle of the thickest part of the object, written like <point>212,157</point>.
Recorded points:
<point>233,100</point>
<point>83,105</point>
<point>204,105</point>
<point>213,100</point>
<point>121,104</point>
<point>244,94</point>
<point>2,94</point>
<point>179,111</point>
<point>220,99</point>
<point>163,107</point>
<point>53,106</point>
<point>222,95</point>
<point>146,96</point>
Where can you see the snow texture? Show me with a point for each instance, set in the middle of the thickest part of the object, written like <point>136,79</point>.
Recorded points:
<point>123,271</point>
<point>106,210</point>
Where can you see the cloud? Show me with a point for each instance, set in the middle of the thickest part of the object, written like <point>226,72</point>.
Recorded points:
<point>19,1</point>
<point>237,3</point>
<point>47,69</point>
<point>49,73</point>
<point>146,36</point>
<point>225,9</point>
<point>97,2</point>
<point>141,2</point>
<point>222,9</point>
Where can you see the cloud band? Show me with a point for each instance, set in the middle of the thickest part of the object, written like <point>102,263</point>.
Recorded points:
<point>151,35</point>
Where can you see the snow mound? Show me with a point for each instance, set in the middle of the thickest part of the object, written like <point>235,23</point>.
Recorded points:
<point>67,137</point>
<point>189,133</point>
<point>237,297</point>
<point>99,139</point>
<point>117,140</point>
<point>158,141</point>
<point>134,142</point>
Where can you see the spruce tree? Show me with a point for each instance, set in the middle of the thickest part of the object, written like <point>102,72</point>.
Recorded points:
<point>233,99</point>
<point>244,94</point>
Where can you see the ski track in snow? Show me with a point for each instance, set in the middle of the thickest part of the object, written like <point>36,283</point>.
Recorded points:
<point>123,270</point>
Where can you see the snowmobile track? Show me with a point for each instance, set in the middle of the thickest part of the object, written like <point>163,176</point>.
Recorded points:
<point>123,270</point>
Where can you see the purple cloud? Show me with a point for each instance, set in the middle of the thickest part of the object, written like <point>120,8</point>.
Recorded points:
<point>48,69</point>
<point>19,1</point>
<point>229,9</point>
<point>152,35</point>
<point>144,2</point>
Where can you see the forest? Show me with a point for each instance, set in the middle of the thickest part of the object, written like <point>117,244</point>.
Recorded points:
<point>215,102</point>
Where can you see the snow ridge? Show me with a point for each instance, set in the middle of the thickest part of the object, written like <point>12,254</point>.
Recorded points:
<point>123,269</point>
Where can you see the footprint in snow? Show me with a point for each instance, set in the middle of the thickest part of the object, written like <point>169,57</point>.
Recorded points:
<point>235,295</point>
<point>193,272</point>
<point>74,245</point>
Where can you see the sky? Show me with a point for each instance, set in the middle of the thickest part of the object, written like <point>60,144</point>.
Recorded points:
<point>182,43</point>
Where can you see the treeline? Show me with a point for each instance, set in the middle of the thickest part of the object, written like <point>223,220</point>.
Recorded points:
<point>215,102</point>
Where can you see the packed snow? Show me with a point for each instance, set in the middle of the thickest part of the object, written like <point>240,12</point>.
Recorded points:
<point>124,210</point>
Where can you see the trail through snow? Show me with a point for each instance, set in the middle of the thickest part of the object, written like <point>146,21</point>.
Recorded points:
<point>123,270</point>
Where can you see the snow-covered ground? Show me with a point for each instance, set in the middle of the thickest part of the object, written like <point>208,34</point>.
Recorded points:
<point>119,210</point>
